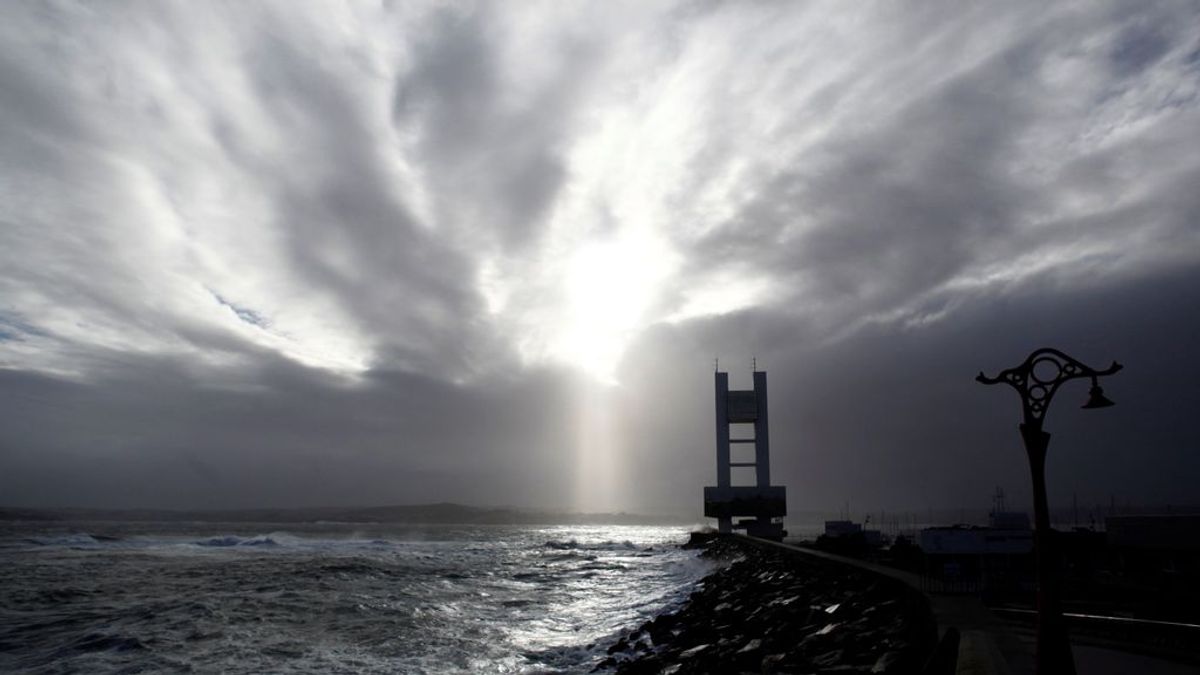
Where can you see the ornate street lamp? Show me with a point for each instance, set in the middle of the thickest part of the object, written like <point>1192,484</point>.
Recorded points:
<point>1036,380</point>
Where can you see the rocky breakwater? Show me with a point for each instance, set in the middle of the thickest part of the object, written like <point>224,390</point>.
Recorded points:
<point>769,610</point>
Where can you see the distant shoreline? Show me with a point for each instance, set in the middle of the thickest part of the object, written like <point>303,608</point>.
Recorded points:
<point>414,514</point>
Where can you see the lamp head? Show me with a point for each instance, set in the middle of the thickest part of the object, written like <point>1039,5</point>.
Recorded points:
<point>1097,399</point>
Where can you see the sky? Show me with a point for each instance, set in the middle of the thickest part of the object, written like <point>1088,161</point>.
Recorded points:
<point>321,254</point>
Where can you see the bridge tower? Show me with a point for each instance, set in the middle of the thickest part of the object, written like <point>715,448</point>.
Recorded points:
<point>762,502</point>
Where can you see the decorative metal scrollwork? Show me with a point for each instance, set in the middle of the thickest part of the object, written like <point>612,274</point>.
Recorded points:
<point>1040,376</point>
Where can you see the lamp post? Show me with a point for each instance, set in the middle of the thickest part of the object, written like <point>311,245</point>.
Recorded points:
<point>1036,380</point>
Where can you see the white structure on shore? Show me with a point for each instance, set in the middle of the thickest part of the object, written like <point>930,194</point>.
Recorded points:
<point>763,502</point>
<point>1008,536</point>
<point>1007,533</point>
<point>996,556</point>
<point>838,529</point>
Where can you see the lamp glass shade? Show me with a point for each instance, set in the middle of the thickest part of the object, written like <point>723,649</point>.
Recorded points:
<point>1097,399</point>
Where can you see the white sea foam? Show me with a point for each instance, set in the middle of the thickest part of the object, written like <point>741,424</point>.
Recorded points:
<point>330,598</point>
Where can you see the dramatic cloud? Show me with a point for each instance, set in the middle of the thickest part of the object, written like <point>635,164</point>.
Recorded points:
<point>279,253</point>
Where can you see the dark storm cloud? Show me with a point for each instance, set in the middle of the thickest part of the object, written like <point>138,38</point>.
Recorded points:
<point>159,434</point>
<point>893,418</point>
<point>939,185</point>
<point>404,279</point>
<point>273,255</point>
<point>473,138</point>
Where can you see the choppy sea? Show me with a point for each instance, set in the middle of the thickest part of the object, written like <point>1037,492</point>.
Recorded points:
<point>244,598</point>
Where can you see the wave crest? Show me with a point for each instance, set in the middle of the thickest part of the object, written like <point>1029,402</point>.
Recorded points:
<point>575,545</point>
<point>230,541</point>
<point>77,539</point>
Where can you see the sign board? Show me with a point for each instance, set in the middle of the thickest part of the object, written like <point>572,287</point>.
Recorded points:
<point>742,406</point>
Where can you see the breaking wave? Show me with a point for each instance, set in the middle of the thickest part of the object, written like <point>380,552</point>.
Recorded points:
<point>326,598</point>
<point>75,539</point>
<point>228,541</point>
<point>575,545</point>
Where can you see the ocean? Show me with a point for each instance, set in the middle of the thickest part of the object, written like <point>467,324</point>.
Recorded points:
<point>323,598</point>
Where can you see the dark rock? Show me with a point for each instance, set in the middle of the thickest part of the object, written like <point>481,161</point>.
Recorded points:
<point>701,539</point>
<point>828,659</point>
<point>886,663</point>
<point>649,665</point>
<point>771,611</point>
<point>770,662</point>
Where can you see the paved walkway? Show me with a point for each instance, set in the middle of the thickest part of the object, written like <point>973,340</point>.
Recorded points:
<point>1102,661</point>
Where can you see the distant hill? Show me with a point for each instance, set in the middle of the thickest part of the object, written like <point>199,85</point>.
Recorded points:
<point>444,513</point>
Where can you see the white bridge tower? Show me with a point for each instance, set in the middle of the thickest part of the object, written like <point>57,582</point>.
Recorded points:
<point>762,502</point>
